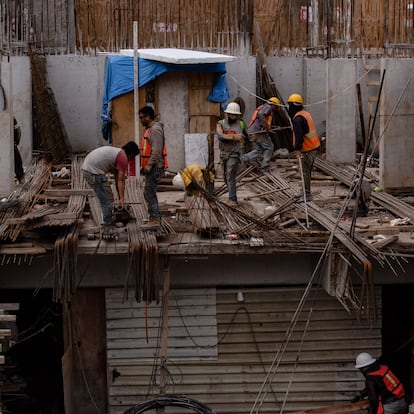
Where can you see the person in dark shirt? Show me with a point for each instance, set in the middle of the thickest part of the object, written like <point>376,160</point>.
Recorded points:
<point>384,390</point>
<point>18,163</point>
<point>306,141</point>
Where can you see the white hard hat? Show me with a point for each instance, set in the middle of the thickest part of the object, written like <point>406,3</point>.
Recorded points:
<point>363,360</point>
<point>233,108</point>
<point>178,182</point>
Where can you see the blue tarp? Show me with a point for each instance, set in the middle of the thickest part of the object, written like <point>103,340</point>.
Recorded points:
<point>119,79</point>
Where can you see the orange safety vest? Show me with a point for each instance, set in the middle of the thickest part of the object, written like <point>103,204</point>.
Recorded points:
<point>391,382</point>
<point>145,151</point>
<point>311,139</point>
<point>268,119</point>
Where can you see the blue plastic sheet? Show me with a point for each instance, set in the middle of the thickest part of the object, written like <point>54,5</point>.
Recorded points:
<point>119,78</point>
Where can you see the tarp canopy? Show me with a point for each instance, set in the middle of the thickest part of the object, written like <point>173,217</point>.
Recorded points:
<point>119,71</point>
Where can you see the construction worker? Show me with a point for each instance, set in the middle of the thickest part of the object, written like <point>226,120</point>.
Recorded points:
<point>194,179</point>
<point>231,134</point>
<point>18,163</point>
<point>306,141</point>
<point>97,164</point>
<point>153,157</point>
<point>385,391</point>
<point>259,133</point>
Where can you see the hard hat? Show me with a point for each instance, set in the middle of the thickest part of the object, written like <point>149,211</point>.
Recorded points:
<point>233,108</point>
<point>363,360</point>
<point>296,98</point>
<point>178,182</point>
<point>274,100</point>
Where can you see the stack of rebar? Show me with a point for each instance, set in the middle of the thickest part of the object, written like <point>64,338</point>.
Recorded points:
<point>143,269</point>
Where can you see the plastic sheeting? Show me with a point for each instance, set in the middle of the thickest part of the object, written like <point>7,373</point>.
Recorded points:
<point>119,79</point>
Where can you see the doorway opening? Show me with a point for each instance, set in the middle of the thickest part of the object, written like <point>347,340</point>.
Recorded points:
<point>398,333</point>
<point>33,367</point>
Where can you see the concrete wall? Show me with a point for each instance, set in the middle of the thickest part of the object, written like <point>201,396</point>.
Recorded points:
<point>16,82</point>
<point>78,81</point>
<point>6,125</point>
<point>397,125</point>
<point>341,111</point>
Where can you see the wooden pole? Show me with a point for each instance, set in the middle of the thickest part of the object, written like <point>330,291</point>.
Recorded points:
<point>136,94</point>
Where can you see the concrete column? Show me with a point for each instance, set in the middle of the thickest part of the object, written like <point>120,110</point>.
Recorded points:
<point>6,136</point>
<point>341,111</point>
<point>396,119</point>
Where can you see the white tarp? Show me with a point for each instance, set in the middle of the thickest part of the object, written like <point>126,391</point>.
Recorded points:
<point>178,56</point>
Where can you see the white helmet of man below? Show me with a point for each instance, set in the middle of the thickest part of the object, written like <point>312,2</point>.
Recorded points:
<point>178,182</point>
<point>363,360</point>
<point>233,108</point>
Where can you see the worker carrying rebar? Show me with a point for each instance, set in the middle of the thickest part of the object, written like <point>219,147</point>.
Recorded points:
<point>97,164</point>
<point>195,179</point>
<point>384,390</point>
<point>306,141</point>
<point>231,135</point>
<point>259,133</point>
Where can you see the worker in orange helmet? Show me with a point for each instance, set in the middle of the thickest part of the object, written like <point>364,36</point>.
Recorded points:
<point>259,133</point>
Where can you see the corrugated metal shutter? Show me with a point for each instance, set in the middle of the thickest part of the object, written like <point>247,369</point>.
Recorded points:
<point>250,333</point>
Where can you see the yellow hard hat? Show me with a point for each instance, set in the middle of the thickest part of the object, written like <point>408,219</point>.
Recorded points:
<point>274,100</point>
<point>296,98</point>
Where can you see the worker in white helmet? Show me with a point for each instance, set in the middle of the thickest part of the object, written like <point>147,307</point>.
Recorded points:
<point>231,134</point>
<point>384,390</point>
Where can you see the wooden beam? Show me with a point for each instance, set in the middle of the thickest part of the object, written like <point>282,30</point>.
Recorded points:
<point>337,409</point>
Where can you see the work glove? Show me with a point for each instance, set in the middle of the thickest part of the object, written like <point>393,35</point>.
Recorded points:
<point>147,169</point>
<point>238,137</point>
<point>297,154</point>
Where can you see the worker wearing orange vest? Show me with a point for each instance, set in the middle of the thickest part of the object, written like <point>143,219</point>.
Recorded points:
<point>306,141</point>
<point>153,157</point>
<point>259,133</point>
<point>385,391</point>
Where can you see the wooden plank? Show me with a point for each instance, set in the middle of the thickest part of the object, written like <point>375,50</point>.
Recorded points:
<point>337,409</point>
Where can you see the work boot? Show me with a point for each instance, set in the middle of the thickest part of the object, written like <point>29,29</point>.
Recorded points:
<point>108,232</point>
<point>231,203</point>
<point>153,224</point>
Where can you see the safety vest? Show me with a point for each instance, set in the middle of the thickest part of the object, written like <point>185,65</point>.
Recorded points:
<point>311,139</point>
<point>268,118</point>
<point>391,382</point>
<point>145,151</point>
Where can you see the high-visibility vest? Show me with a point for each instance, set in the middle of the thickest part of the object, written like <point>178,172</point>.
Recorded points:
<point>391,382</point>
<point>145,151</point>
<point>268,118</point>
<point>311,139</point>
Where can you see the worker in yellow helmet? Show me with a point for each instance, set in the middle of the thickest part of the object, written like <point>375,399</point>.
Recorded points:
<point>194,179</point>
<point>259,133</point>
<point>306,141</point>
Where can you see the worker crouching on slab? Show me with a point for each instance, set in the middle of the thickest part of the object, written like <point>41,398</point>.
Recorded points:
<point>385,391</point>
<point>306,142</point>
<point>195,179</point>
<point>97,164</point>
<point>231,134</point>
